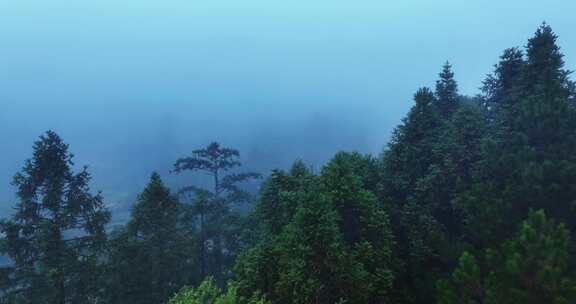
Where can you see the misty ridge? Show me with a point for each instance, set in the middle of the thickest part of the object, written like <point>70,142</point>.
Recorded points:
<point>453,195</point>
<point>121,166</point>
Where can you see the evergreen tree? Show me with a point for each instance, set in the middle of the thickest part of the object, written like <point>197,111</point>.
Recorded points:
<point>208,293</point>
<point>409,156</point>
<point>528,164</point>
<point>280,195</point>
<point>446,92</point>
<point>457,152</point>
<point>152,257</point>
<point>336,245</point>
<point>532,267</point>
<point>280,198</point>
<point>213,207</point>
<point>501,88</point>
<point>57,232</point>
<point>407,160</point>
<point>363,223</point>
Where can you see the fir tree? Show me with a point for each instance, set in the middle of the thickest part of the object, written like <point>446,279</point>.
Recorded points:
<point>446,91</point>
<point>501,88</point>
<point>409,156</point>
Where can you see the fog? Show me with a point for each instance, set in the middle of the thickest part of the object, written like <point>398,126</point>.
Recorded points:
<point>133,85</point>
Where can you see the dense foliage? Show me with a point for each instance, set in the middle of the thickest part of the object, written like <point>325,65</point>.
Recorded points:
<point>472,201</point>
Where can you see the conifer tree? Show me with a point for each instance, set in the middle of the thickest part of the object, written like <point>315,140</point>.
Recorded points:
<point>213,207</point>
<point>335,246</point>
<point>457,152</point>
<point>446,91</point>
<point>57,233</point>
<point>280,198</point>
<point>501,88</point>
<point>531,267</point>
<point>408,155</point>
<point>152,257</point>
<point>525,165</point>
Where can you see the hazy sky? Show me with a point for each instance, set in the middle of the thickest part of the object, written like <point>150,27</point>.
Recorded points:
<point>131,85</point>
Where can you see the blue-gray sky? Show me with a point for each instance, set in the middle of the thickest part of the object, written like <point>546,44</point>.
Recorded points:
<point>131,85</point>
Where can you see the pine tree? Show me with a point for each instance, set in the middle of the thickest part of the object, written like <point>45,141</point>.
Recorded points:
<point>213,207</point>
<point>215,161</point>
<point>531,267</point>
<point>152,257</point>
<point>57,233</point>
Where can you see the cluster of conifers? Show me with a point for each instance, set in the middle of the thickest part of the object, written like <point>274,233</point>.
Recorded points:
<point>472,201</point>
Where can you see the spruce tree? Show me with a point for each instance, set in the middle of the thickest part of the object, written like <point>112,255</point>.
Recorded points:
<point>446,91</point>
<point>404,164</point>
<point>526,160</point>
<point>57,232</point>
<point>409,156</point>
<point>501,88</point>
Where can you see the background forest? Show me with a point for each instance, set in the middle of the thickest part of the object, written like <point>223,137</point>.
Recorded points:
<point>472,201</point>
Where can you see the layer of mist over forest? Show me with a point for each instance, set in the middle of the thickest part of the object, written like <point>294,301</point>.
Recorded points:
<point>133,87</point>
<point>259,152</point>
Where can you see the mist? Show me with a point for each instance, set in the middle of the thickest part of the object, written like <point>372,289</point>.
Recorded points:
<point>134,85</point>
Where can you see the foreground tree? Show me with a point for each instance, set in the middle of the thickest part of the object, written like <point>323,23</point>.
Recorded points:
<point>57,232</point>
<point>208,293</point>
<point>532,267</point>
<point>527,159</point>
<point>333,244</point>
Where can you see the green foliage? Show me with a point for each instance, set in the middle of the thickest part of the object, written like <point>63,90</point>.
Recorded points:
<point>336,243</point>
<point>526,161</point>
<point>444,215</point>
<point>220,226</point>
<point>155,237</point>
<point>532,267</point>
<point>446,92</point>
<point>57,231</point>
<point>408,155</point>
<point>208,293</point>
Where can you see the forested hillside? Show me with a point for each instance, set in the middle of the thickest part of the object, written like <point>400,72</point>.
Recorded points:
<point>473,200</point>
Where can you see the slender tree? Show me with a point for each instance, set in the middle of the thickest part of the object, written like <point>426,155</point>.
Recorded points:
<point>216,161</point>
<point>213,207</point>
